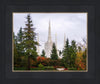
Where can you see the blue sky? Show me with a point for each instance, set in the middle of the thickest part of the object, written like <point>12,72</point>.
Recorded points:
<point>73,25</point>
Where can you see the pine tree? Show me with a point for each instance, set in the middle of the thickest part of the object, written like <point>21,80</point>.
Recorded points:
<point>15,38</point>
<point>20,35</point>
<point>73,51</point>
<point>66,48</point>
<point>54,55</point>
<point>29,41</point>
<point>20,44</point>
<point>43,53</point>
<point>79,48</point>
<point>69,54</point>
<point>17,59</point>
<point>66,54</point>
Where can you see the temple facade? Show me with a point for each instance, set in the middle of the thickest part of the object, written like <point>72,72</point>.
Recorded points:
<point>48,45</point>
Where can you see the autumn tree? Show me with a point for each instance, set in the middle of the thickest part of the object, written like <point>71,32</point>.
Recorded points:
<point>81,56</point>
<point>81,60</point>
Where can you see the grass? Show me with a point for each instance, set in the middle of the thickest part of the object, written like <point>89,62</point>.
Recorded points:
<point>72,68</point>
<point>36,68</point>
<point>42,68</point>
<point>49,68</point>
<point>20,68</point>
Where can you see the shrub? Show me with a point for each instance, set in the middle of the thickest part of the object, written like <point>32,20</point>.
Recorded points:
<point>40,65</point>
<point>49,62</point>
<point>41,58</point>
<point>56,62</point>
<point>49,68</point>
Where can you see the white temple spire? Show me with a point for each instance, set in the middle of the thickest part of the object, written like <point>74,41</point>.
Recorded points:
<point>48,44</point>
<point>64,39</point>
<point>49,32</point>
<point>56,40</point>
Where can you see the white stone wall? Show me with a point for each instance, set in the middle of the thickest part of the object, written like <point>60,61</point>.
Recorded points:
<point>48,48</point>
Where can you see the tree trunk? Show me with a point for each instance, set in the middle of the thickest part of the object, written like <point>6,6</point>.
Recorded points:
<point>28,63</point>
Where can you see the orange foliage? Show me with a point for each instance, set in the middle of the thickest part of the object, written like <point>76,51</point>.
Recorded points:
<point>82,65</point>
<point>41,58</point>
<point>79,59</point>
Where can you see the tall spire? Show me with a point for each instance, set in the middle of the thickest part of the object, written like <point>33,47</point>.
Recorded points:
<point>64,39</point>
<point>56,40</point>
<point>49,32</point>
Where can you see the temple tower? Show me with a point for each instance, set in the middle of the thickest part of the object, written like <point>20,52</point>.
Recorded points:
<point>48,44</point>
<point>64,39</point>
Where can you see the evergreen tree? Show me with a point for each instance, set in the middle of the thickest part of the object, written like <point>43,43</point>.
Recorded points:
<point>73,50</point>
<point>15,38</point>
<point>60,52</point>
<point>17,59</point>
<point>54,55</point>
<point>29,41</point>
<point>20,35</point>
<point>43,53</point>
<point>20,44</point>
<point>66,54</point>
<point>69,54</point>
<point>79,48</point>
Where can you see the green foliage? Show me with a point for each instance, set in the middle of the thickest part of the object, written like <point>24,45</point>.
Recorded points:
<point>20,35</point>
<point>84,57</point>
<point>72,68</point>
<point>66,54</point>
<point>60,52</point>
<point>20,45</point>
<point>69,54</point>
<point>37,68</point>
<point>19,68</point>
<point>17,59</point>
<point>18,51</point>
<point>73,50</point>
<point>40,65</point>
<point>25,45</point>
<point>29,40</point>
<point>15,39</point>
<point>43,53</point>
<point>49,68</point>
<point>54,55</point>
<point>79,48</point>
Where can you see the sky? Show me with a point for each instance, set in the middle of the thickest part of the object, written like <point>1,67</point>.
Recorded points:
<point>73,25</point>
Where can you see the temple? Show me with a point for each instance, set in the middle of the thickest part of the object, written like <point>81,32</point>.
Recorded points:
<point>49,44</point>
